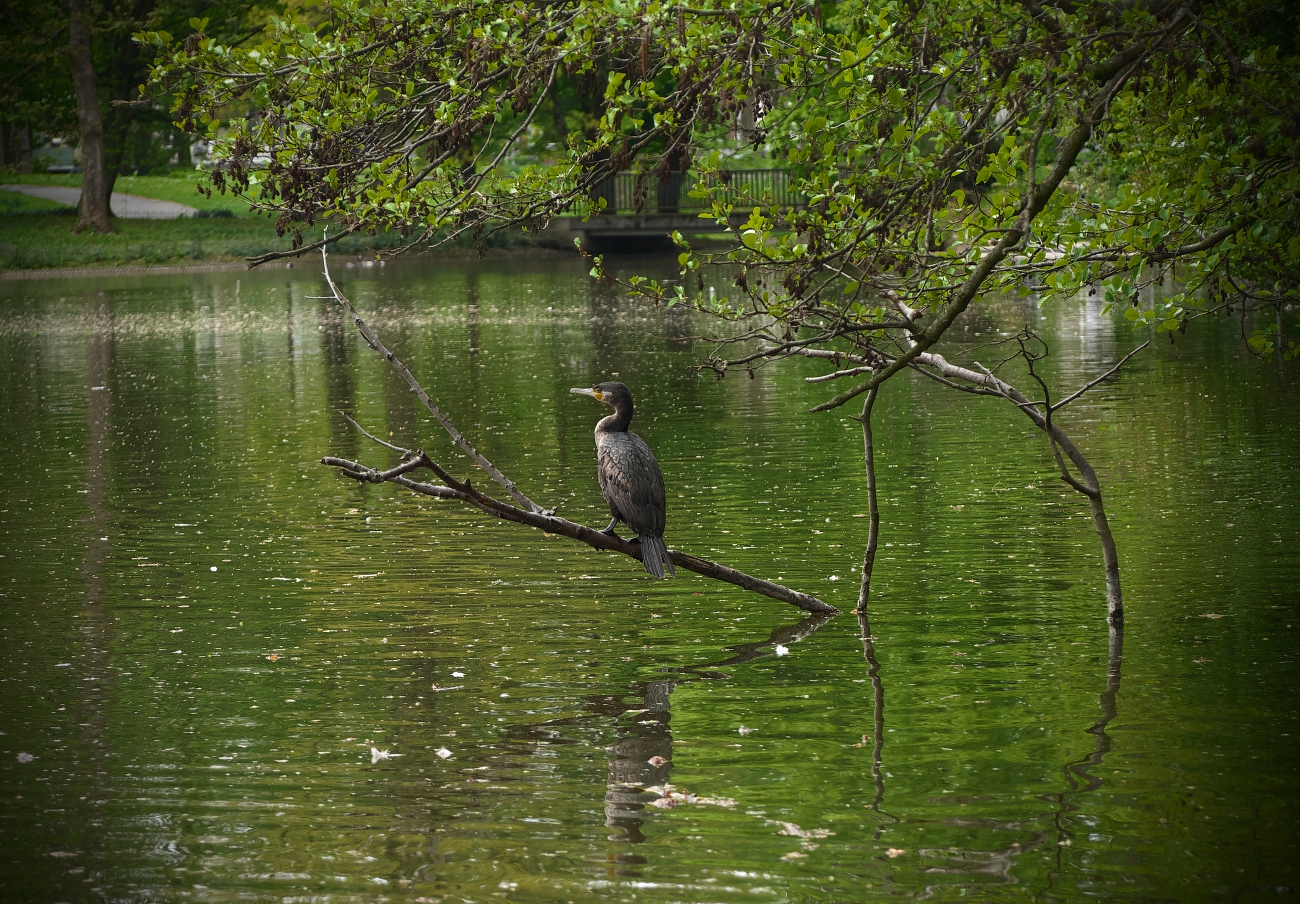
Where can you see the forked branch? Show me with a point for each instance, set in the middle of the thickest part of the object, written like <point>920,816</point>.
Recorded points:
<point>528,512</point>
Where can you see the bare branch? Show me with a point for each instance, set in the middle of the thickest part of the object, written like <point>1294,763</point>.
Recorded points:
<point>552,524</point>
<point>416,388</point>
<point>1106,376</point>
<point>531,514</point>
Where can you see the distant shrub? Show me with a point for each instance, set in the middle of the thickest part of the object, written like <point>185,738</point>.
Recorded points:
<point>218,213</point>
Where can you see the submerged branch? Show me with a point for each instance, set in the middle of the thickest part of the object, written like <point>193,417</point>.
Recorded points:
<point>987,383</point>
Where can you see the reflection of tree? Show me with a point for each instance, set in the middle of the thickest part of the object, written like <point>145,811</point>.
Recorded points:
<point>605,333</point>
<point>95,619</point>
<point>973,864</point>
<point>473,321</point>
<point>291,359</point>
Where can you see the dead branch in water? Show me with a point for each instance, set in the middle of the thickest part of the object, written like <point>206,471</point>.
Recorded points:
<point>527,512</point>
<point>985,382</point>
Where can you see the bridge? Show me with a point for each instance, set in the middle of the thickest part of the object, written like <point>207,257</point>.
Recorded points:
<point>643,208</point>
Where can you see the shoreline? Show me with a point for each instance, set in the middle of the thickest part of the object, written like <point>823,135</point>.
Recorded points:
<point>213,266</point>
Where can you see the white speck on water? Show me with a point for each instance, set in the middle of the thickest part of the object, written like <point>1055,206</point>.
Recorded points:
<point>214,568</point>
<point>376,755</point>
<point>25,757</point>
<point>443,753</point>
<point>782,650</point>
<point>62,665</point>
<point>834,577</point>
<point>458,674</point>
<point>743,730</point>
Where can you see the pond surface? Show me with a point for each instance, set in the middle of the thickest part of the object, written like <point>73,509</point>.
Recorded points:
<point>210,640</point>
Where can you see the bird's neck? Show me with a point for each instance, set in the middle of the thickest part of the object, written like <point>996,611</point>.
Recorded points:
<point>617,422</point>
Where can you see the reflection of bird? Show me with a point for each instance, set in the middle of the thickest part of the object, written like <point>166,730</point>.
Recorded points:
<point>630,477</point>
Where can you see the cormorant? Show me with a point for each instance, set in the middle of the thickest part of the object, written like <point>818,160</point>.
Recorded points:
<point>629,477</point>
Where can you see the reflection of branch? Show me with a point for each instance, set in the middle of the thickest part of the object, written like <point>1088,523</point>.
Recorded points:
<point>530,514</point>
<point>1076,774</point>
<point>877,710</point>
<point>642,758</point>
<point>748,652</point>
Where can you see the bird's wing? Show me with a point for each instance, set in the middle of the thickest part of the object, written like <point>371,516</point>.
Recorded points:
<point>631,481</point>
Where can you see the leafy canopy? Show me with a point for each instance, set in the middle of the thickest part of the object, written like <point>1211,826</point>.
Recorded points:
<point>941,150</point>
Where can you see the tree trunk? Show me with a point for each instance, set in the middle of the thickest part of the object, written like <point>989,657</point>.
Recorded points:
<point>93,211</point>
<point>873,510</point>
<point>115,134</point>
<point>25,149</point>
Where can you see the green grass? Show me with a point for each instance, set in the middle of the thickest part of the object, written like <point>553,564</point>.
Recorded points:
<point>35,233</point>
<point>14,204</point>
<point>179,187</point>
<point>36,241</point>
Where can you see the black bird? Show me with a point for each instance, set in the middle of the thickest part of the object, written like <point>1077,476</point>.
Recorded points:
<point>630,477</point>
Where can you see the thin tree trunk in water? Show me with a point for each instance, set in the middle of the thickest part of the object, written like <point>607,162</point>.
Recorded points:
<point>988,384</point>
<point>1090,486</point>
<point>1109,555</point>
<point>93,212</point>
<point>873,520</point>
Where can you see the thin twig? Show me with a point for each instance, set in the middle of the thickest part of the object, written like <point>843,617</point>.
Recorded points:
<point>1106,376</point>
<point>423,396</point>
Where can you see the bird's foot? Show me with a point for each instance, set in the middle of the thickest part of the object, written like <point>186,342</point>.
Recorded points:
<point>609,532</point>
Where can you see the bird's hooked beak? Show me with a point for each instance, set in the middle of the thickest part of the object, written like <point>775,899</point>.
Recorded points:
<point>594,393</point>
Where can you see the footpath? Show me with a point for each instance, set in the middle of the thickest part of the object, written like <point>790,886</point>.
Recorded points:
<point>131,207</point>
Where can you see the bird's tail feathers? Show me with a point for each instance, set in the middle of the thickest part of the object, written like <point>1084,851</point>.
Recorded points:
<point>654,555</point>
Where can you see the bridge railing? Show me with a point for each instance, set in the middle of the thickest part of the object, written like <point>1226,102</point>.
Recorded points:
<point>641,193</point>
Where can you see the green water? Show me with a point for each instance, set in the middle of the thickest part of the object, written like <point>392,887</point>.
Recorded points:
<point>205,632</point>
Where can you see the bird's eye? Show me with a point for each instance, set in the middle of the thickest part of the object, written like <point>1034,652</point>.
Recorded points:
<point>600,395</point>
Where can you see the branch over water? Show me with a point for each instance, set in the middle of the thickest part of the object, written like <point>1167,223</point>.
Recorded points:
<point>527,512</point>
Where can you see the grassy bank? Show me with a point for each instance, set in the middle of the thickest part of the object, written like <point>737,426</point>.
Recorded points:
<point>36,234</point>
<point>37,240</point>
